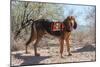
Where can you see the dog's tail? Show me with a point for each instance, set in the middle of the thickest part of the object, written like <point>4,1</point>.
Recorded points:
<point>33,29</point>
<point>23,26</point>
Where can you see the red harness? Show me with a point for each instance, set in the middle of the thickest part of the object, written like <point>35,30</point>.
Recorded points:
<point>57,26</point>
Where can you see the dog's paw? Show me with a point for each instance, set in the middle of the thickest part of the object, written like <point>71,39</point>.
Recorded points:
<point>61,56</point>
<point>69,54</point>
<point>37,54</point>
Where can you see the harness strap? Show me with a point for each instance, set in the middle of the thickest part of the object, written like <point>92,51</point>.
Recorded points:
<point>55,26</point>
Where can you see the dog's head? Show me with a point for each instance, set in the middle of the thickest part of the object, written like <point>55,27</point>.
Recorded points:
<point>70,23</point>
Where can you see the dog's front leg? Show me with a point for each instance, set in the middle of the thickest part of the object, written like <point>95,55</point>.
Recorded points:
<point>68,44</point>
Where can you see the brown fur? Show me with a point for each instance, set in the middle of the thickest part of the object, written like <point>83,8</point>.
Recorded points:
<point>38,32</point>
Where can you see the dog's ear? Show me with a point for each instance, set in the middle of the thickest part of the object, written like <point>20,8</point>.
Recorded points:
<point>75,25</point>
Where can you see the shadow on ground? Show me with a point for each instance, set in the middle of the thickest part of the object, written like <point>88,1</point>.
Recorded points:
<point>31,60</point>
<point>86,48</point>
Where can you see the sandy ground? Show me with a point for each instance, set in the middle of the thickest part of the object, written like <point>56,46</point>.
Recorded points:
<point>50,54</point>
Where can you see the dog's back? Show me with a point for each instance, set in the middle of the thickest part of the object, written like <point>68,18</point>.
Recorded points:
<point>48,26</point>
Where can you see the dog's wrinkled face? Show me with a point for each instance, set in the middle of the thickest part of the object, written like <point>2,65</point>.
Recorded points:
<point>70,23</point>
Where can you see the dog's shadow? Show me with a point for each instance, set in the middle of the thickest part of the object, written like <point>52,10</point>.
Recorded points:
<point>31,60</point>
<point>86,48</point>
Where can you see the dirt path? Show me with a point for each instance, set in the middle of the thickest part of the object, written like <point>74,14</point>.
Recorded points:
<point>51,55</point>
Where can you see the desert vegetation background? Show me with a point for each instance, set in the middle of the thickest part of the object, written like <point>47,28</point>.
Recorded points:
<point>84,36</point>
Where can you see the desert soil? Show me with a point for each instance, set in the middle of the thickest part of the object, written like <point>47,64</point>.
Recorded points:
<point>50,54</point>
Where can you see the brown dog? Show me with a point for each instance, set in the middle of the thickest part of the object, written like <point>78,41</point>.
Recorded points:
<point>42,26</point>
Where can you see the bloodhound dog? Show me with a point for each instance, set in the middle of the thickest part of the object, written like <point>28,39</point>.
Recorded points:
<point>43,26</point>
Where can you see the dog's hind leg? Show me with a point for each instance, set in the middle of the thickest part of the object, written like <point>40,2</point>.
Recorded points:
<point>26,46</point>
<point>32,38</point>
<point>35,48</point>
<point>61,46</point>
<point>39,36</point>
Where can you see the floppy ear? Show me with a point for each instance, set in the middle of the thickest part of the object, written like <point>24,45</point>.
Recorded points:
<point>75,25</point>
